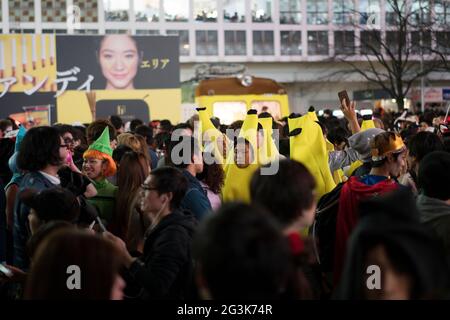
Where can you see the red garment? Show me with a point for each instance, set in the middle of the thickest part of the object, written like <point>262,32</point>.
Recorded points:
<point>352,193</point>
<point>296,243</point>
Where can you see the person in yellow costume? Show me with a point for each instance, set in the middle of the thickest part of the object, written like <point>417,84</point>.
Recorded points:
<point>216,142</point>
<point>308,147</point>
<point>242,161</point>
<point>267,149</point>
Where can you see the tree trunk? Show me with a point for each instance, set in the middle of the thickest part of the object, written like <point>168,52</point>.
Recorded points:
<point>400,103</point>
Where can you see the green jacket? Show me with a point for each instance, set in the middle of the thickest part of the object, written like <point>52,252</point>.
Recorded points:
<point>105,200</point>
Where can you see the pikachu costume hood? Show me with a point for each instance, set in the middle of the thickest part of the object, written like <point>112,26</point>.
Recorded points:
<point>268,151</point>
<point>217,142</point>
<point>237,180</point>
<point>308,146</point>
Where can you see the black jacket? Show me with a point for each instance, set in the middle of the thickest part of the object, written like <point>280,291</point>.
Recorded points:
<point>165,270</point>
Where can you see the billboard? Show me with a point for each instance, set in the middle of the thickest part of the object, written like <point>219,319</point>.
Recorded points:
<point>80,78</point>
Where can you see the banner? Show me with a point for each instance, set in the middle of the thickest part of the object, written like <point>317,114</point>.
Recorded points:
<point>91,77</point>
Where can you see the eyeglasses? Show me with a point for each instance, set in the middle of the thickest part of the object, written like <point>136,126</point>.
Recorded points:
<point>147,187</point>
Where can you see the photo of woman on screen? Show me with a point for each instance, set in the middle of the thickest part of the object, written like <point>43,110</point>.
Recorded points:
<point>119,58</point>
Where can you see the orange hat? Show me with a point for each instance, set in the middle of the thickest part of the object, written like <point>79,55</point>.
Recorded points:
<point>395,145</point>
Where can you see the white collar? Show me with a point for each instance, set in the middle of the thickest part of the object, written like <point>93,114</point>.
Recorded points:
<point>54,180</point>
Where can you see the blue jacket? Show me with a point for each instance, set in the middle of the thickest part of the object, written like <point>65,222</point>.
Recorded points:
<point>21,231</point>
<point>195,199</point>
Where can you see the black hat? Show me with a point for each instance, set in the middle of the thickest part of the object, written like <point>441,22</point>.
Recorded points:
<point>52,204</point>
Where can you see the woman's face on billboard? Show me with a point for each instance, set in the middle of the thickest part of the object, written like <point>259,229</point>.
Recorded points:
<point>119,61</point>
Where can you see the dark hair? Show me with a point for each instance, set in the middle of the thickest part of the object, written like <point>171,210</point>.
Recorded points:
<point>95,130</point>
<point>116,121</point>
<point>96,258</point>
<point>162,140</point>
<point>5,123</point>
<point>423,143</point>
<point>119,152</point>
<point>39,148</point>
<point>79,133</point>
<point>165,125</point>
<point>242,254</point>
<point>146,132</point>
<point>213,174</point>
<point>182,149</point>
<point>132,172</point>
<point>434,175</point>
<point>182,126</point>
<point>135,123</point>
<point>338,135</point>
<point>55,203</point>
<point>297,186</point>
<point>64,128</point>
<point>169,179</point>
<point>323,127</point>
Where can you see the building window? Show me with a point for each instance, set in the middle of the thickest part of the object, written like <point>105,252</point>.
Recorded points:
<point>291,43</point>
<point>317,43</point>
<point>262,10</point>
<point>290,12</point>
<point>176,10</point>
<point>146,10</point>
<point>206,43</point>
<point>343,11</point>
<point>184,40</point>
<point>443,42</point>
<point>234,11</point>
<point>88,10</point>
<point>54,31</point>
<point>22,31</point>
<point>416,48</point>
<point>235,43</point>
<point>116,31</point>
<point>205,10</point>
<point>263,43</point>
<point>317,11</point>
<point>116,10</point>
<point>395,9</point>
<point>420,12</point>
<point>344,42</point>
<point>142,32</point>
<point>85,31</point>
<point>370,42</point>
<point>395,40</point>
<point>21,11</point>
<point>53,11</point>
<point>369,11</point>
<point>442,11</point>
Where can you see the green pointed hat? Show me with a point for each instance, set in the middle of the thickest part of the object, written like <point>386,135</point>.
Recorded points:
<point>102,144</point>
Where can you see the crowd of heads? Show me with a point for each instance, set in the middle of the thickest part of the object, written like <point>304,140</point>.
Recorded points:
<point>141,210</point>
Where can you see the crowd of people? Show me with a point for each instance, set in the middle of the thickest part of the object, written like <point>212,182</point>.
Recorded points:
<point>303,207</point>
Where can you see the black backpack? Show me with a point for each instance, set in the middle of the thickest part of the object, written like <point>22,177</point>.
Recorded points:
<point>323,230</point>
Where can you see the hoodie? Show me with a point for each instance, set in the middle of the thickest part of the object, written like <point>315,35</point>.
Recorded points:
<point>435,214</point>
<point>165,270</point>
